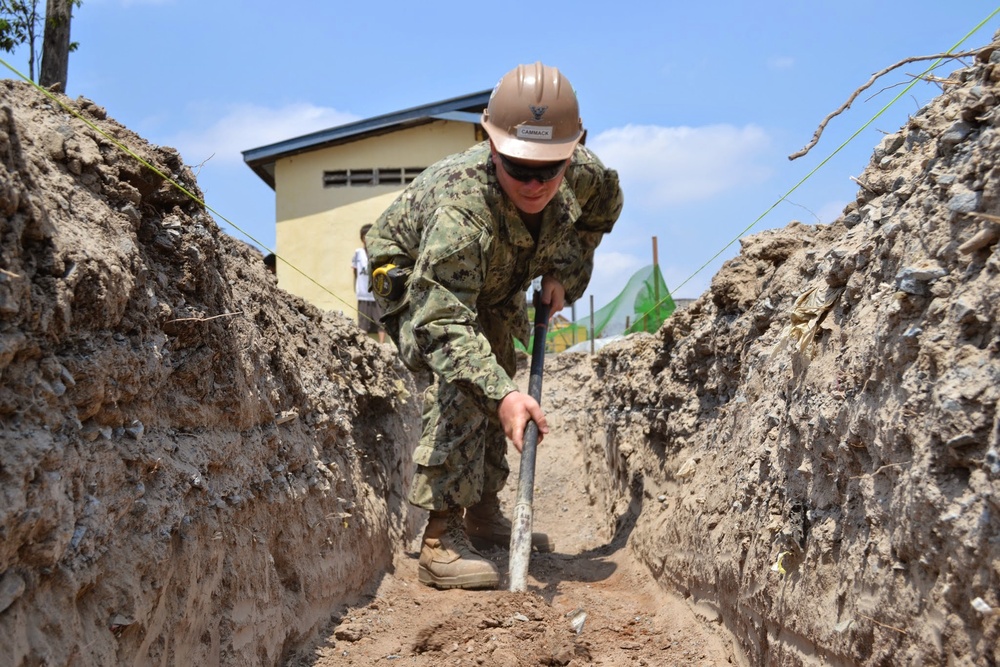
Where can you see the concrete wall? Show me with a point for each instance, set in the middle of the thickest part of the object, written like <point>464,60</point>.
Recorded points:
<point>318,228</point>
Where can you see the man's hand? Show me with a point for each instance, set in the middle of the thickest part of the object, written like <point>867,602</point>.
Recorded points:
<point>514,412</point>
<point>554,294</point>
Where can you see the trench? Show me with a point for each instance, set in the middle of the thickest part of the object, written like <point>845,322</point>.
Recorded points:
<point>591,601</point>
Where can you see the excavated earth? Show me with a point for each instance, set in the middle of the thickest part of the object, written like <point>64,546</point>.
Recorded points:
<point>198,468</point>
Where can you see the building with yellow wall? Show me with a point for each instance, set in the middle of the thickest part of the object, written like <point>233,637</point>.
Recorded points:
<point>329,183</point>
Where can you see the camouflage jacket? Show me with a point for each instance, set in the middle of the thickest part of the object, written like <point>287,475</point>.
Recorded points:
<point>473,259</point>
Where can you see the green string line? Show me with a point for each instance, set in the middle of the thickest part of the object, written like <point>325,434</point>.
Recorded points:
<point>795,187</point>
<point>177,185</point>
<point>784,197</point>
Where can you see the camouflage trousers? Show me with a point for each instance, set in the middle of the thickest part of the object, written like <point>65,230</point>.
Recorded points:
<point>462,452</point>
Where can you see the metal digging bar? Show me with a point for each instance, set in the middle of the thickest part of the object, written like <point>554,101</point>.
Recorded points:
<point>520,534</point>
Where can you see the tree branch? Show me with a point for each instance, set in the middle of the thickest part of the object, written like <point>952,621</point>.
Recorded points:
<point>877,75</point>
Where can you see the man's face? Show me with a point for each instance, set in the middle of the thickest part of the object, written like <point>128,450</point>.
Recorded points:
<point>527,192</point>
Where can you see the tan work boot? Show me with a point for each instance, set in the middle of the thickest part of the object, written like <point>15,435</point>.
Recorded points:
<point>488,527</point>
<point>448,560</point>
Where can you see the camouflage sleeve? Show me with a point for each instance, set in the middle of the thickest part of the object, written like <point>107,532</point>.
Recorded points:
<point>446,281</point>
<point>601,203</point>
<point>390,236</point>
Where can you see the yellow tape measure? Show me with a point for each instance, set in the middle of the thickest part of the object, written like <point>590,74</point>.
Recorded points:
<point>389,281</point>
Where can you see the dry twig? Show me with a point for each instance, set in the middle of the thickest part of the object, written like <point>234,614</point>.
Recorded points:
<point>197,168</point>
<point>863,184</point>
<point>204,319</point>
<point>880,469</point>
<point>984,216</point>
<point>985,237</point>
<point>850,100</point>
<point>930,78</point>
<point>883,625</point>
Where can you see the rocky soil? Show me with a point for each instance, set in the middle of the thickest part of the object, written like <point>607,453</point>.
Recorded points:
<point>197,468</point>
<point>816,439</point>
<point>192,458</point>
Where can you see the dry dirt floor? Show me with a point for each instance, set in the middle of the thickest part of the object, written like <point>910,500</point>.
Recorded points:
<point>588,603</point>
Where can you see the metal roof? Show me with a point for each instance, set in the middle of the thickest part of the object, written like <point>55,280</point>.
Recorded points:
<point>466,109</point>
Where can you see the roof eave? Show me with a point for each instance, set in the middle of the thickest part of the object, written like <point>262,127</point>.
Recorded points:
<point>262,159</point>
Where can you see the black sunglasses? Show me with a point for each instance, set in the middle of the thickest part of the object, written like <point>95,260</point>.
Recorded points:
<point>526,174</point>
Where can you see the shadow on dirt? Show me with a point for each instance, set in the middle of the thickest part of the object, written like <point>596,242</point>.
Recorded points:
<point>592,565</point>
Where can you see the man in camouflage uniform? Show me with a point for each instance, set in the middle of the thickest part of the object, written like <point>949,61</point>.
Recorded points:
<point>471,232</point>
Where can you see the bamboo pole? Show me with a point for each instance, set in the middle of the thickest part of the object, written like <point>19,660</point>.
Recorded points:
<point>656,282</point>
<point>591,323</point>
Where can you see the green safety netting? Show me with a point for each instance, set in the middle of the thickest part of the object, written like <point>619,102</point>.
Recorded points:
<point>642,306</point>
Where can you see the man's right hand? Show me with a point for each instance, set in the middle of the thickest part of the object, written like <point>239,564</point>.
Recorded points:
<point>515,410</point>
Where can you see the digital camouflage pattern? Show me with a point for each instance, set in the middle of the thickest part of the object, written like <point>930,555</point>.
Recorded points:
<point>461,456</point>
<point>472,260</point>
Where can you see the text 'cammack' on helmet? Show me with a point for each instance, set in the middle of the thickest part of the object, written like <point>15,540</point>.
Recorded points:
<point>533,114</point>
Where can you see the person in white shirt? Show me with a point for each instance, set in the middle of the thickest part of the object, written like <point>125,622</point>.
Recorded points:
<point>368,310</point>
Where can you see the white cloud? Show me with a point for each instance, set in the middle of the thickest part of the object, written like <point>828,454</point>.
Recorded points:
<point>612,264</point>
<point>249,126</point>
<point>780,62</point>
<point>662,166</point>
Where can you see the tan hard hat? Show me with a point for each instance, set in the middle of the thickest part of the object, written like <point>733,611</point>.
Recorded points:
<point>533,114</point>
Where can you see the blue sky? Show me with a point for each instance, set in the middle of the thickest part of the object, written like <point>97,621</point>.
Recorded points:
<point>698,105</point>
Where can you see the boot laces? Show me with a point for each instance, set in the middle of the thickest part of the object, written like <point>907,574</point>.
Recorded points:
<point>459,539</point>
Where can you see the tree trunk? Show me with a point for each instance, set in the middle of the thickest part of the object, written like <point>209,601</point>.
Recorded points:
<point>55,46</point>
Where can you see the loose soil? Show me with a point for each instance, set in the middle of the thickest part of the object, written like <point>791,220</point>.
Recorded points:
<point>799,468</point>
<point>589,602</point>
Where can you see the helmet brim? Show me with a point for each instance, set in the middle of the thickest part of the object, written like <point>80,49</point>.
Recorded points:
<point>542,150</point>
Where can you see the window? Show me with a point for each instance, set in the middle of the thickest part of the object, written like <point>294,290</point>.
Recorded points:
<point>379,176</point>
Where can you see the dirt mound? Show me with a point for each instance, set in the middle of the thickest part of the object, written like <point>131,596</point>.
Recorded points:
<point>816,439</point>
<point>181,472</point>
<point>198,468</point>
